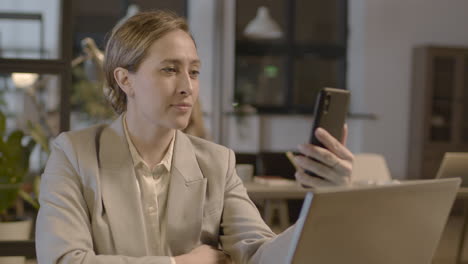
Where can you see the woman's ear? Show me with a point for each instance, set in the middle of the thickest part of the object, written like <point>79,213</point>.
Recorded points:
<point>122,78</point>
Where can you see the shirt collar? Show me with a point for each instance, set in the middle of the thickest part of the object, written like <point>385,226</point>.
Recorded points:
<point>137,159</point>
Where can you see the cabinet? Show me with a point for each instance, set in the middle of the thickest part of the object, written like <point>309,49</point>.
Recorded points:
<point>439,108</point>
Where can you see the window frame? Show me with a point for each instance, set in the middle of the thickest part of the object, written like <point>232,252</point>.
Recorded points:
<point>290,51</point>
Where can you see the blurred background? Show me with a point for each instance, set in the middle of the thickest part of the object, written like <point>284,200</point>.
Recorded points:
<point>405,63</point>
<point>259,80</point>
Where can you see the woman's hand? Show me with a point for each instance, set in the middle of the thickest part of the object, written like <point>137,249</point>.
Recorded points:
<point>333,164</point>
<point>204,255</point>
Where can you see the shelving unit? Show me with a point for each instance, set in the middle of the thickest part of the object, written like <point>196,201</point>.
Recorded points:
<point>439,107</point>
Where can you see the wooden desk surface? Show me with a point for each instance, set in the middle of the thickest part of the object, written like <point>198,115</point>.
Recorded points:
<point>264,191</point>
<point>462,193</point>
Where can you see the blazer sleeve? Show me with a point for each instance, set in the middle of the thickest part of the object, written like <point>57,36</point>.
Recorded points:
<point>63,229</point>
<point>244,234</point>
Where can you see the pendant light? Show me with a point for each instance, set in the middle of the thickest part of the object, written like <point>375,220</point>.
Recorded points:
<point>263,26</point>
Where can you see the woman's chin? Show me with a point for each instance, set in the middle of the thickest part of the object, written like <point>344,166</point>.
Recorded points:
<point>180,125</point>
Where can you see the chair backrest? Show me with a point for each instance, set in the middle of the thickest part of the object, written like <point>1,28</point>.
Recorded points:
<point>454,165</point>
<point>370,167</point>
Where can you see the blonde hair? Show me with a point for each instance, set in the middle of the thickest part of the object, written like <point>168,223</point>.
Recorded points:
<point>129,43</point>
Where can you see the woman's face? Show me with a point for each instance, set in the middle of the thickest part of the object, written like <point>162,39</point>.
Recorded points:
<point>165,86</point>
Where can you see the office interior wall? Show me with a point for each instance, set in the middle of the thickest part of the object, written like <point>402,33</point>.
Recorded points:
<point>382,36</point>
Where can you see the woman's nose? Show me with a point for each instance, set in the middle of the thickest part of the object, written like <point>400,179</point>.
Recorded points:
<point>185,85</point>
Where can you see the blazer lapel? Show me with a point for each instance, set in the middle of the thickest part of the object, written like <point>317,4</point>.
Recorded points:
<point>120,192</point>
<point>185,199</point>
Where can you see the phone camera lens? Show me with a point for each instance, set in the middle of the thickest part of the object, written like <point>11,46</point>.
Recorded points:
<point>326,103</point>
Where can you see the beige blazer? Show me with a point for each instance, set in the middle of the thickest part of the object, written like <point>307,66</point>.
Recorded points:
<point>91,210</point>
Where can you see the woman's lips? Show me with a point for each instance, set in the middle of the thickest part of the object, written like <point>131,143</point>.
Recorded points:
<point>182,107</point>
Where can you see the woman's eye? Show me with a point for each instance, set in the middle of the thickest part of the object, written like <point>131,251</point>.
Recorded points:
<point>194,73</point>
<point>170,70</point>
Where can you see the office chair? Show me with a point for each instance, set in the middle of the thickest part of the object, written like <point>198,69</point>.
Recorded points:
<point>370,167</point>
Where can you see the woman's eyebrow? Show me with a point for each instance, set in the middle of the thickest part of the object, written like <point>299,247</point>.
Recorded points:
<point>177,61</point>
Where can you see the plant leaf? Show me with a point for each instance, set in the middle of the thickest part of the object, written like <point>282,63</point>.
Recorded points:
<point>8,196</point>
<point>28,198</point>
<point>38,134</point>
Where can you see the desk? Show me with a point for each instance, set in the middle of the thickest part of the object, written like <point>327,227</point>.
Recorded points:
<point>462,193</point>
<point>275,197</point>
<point>265,191</point>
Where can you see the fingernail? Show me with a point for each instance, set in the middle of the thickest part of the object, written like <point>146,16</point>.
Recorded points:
<point>300,146</point>
<point>320,131</point>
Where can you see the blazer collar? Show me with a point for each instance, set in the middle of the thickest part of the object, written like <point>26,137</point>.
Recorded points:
<point>186,198</point>
<point>185,161</point>
<point>122,200</point>
<point>120,192</point>
<point>183,158</point>
<point>113,142</point>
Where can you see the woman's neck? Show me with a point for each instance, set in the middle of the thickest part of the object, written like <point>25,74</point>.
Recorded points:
<point>150,140</point>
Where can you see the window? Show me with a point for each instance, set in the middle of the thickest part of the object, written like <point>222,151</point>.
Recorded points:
<point>35,63</point>
<point>284,74</point>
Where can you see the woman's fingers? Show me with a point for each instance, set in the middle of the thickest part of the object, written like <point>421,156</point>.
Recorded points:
<point>344,140</point>
<point>333,174</point>
<point>319,153</point>
<point>309,181</point>
<point>334,163</point>
<point>332,144</point>
<point>343,166</point>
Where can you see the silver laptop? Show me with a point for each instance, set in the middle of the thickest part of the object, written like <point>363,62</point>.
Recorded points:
<point>453,165</point>
<point>398,223</point>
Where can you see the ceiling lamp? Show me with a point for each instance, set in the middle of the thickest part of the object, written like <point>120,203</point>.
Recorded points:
<point>263,26</point>
<point>24,80</point>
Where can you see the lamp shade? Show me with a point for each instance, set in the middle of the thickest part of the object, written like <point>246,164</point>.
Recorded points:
<point>263,26</point>
<point>24,80</point>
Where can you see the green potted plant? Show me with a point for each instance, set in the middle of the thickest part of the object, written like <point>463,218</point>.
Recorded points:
<point>15,150</point>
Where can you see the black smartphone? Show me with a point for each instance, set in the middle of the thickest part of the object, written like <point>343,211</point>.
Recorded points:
<point>330,113</point>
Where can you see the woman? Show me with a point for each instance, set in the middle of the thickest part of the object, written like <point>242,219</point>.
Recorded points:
<point>141,191</point>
